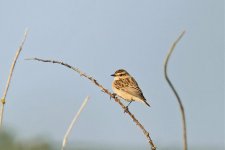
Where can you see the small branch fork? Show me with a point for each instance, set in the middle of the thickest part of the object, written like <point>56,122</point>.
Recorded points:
<point>175,92</point>
<point>116,99</point>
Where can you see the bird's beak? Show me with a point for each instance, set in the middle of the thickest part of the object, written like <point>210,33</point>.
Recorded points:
<point>113,75</point>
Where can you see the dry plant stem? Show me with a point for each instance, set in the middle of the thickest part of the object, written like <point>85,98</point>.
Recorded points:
<point>73,122</point>
<point>146,133</point>
<point>175,92</point>
<point>3,101</point>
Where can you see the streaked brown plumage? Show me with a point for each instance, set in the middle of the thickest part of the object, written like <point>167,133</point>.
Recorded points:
<point>125,86</point>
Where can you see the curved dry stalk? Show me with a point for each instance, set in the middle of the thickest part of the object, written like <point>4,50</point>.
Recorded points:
<point>73,122</point>
<point>3,101</point>
<point>94,81</point>
<point>175,92</point>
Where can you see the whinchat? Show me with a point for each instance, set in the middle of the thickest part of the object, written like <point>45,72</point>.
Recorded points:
<point>126,87</point>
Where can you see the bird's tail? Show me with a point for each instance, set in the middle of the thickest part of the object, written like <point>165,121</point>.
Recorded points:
<point>147,103</point>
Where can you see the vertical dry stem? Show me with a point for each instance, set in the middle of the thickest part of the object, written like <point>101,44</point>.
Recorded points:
<point>175,92</point>
<point>94,81</point>
<point>3,101</point>
<point>73,122</point>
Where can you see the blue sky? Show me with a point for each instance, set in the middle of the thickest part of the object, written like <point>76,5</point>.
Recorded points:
<point>99,37</point>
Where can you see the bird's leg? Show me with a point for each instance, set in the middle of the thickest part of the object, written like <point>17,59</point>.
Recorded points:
<point>129,103</point>
<point>126,109</point>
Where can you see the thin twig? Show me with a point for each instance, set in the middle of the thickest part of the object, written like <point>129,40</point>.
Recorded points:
<point>126,110</point>
<point>3,99</point>
<point>73,122</point>
<point>185,147</point>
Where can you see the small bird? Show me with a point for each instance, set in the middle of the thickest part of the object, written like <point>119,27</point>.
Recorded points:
<point>125,86</point>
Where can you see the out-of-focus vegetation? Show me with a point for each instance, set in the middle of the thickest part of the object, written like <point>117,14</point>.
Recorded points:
<point>9,141</point>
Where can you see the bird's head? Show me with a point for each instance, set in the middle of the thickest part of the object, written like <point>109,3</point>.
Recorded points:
<point>121,73</point>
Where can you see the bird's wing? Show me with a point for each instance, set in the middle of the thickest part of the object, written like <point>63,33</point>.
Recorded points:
<point>130,86</point>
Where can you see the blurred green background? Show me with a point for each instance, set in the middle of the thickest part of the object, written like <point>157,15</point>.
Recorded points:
<point>10,141</point>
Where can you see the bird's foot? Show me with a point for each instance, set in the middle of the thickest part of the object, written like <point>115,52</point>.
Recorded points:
<point>126,109</point>
<point>113,95</point>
